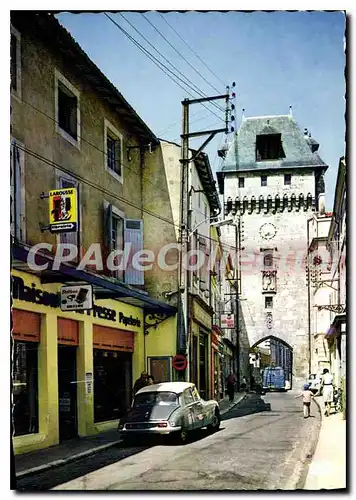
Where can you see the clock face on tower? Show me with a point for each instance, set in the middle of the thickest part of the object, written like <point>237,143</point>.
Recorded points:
<point>268,231</point>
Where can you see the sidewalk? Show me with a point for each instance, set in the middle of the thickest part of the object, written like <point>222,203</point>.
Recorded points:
<point>74,449</point>
<point>328,466</point>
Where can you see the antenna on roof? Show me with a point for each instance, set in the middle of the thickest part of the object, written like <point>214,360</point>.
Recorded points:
<point>290,110</point>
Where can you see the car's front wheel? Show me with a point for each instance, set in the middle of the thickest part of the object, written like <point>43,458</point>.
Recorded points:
<point>215,423</point>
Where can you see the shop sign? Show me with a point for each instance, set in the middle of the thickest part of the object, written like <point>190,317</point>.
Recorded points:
<point>227,321</point>
<point>41,297</point>
<point>63,210</point>
<point>202,316</point>
<point>76,298</point>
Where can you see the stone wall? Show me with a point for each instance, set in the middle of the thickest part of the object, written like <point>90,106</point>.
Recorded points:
<point>33,124</point>
<point>288,318</point>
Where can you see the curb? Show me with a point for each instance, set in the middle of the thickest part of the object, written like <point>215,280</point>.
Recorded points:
<point>92,451</point>
<point>300,475</point>
<point>232,405</point>
<point>63,461</point>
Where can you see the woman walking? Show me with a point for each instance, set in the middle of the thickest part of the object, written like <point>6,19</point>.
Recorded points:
<point>328,391</point>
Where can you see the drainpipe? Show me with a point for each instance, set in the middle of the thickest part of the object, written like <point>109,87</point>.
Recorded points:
<point>142,167</point>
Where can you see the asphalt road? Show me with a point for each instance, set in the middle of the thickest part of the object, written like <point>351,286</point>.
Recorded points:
<point>262,444</point>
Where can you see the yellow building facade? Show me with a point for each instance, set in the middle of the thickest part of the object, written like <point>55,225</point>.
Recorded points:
<point>47,330</point>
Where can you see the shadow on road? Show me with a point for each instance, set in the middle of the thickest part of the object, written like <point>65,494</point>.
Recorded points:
<point>252,404</point>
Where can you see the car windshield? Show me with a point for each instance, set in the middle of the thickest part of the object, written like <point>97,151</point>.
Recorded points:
<point>156,398</point>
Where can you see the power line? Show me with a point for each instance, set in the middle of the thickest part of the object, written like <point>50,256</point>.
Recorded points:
<point>158,63</point>
<point>179,122</point>
<point>107,192</point>
<point>200,59</point>
<point>91,144</point>
<point>197,89</point>
<point>196,71</point>
<point>78,177</point>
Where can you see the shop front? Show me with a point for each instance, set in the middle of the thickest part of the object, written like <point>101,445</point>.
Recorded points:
<point>200,348</point>
<point>216,387</point>
<point>72,372</point>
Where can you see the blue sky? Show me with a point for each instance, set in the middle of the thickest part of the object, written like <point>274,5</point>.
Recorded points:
<point>277,59</point>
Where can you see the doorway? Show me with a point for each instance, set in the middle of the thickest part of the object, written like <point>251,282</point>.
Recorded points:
<point>67,392</point>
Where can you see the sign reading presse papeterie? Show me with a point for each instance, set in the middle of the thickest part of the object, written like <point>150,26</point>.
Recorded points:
<point>76,298</point>
<point>63,216</point>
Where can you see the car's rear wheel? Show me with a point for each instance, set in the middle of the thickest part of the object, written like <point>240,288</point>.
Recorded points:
<point>215,423</point>
<point>183,436</point>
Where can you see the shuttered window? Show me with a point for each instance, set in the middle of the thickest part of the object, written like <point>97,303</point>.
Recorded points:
<point>118,233</point>
<point>133,233</point>
<point>113,238</point>
<point>17,191</point>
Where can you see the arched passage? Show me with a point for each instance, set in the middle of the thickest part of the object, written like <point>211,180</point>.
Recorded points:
<point>271,351</point>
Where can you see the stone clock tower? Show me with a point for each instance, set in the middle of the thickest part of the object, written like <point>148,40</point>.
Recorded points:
<point>272,179</point>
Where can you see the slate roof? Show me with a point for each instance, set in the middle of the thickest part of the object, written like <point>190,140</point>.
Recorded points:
<point>300,150</point>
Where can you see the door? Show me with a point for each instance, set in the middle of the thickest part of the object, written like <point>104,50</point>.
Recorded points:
<point>67,392</point>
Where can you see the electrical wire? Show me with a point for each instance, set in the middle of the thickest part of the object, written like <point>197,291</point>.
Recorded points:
<point>196,71</point>
<point>197,89</point>
<point>159,64</point>
<point>57,166</point>
<point>160,133</point>
<point>81,179</point>
<point>93,145</point>
<point>200,59</point>
<point>112,194</point>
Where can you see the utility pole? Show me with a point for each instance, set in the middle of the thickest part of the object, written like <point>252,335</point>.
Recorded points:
<point>184,338</point>
<point>184,228</point>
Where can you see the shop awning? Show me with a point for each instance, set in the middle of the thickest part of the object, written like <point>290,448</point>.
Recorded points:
<point>338,326</point>
<point>103,287</point>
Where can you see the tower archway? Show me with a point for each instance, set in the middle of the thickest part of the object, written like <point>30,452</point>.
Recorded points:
<point>271,351</point>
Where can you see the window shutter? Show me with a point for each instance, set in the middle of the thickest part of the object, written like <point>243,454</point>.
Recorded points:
<point>118,156</point>
<point>17,206</point>
<point>108,228</point>
<point>107,236</point>
<point>133,233</point>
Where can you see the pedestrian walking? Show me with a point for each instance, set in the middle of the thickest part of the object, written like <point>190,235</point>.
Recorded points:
<point>307,396</point>
<point>141,382</point>
<point>150,380</point>
<point>244,384</point>
<point>328,390</point>
<point>230,385</point>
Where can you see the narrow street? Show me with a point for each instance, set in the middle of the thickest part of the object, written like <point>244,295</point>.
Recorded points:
<point>259,446</point>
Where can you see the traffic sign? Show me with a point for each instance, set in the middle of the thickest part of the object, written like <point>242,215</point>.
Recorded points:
<point>179,362</point>
<point>76,298</point>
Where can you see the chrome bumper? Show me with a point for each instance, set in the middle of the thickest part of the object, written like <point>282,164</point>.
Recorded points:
<point>150,430</point>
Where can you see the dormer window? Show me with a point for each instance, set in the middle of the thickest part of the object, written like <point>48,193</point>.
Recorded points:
<point>269,147</point>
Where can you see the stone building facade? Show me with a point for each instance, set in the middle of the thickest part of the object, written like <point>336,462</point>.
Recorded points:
<point>73,371</point>
<point>272,181</point>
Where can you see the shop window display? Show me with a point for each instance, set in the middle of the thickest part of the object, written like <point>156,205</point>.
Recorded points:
<point>112,384</point>
<point>25,388</point>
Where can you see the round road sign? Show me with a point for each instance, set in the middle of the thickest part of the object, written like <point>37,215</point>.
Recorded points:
<point>179,362</point>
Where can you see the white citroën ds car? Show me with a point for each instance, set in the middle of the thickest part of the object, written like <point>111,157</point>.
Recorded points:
<point>169,408</point>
